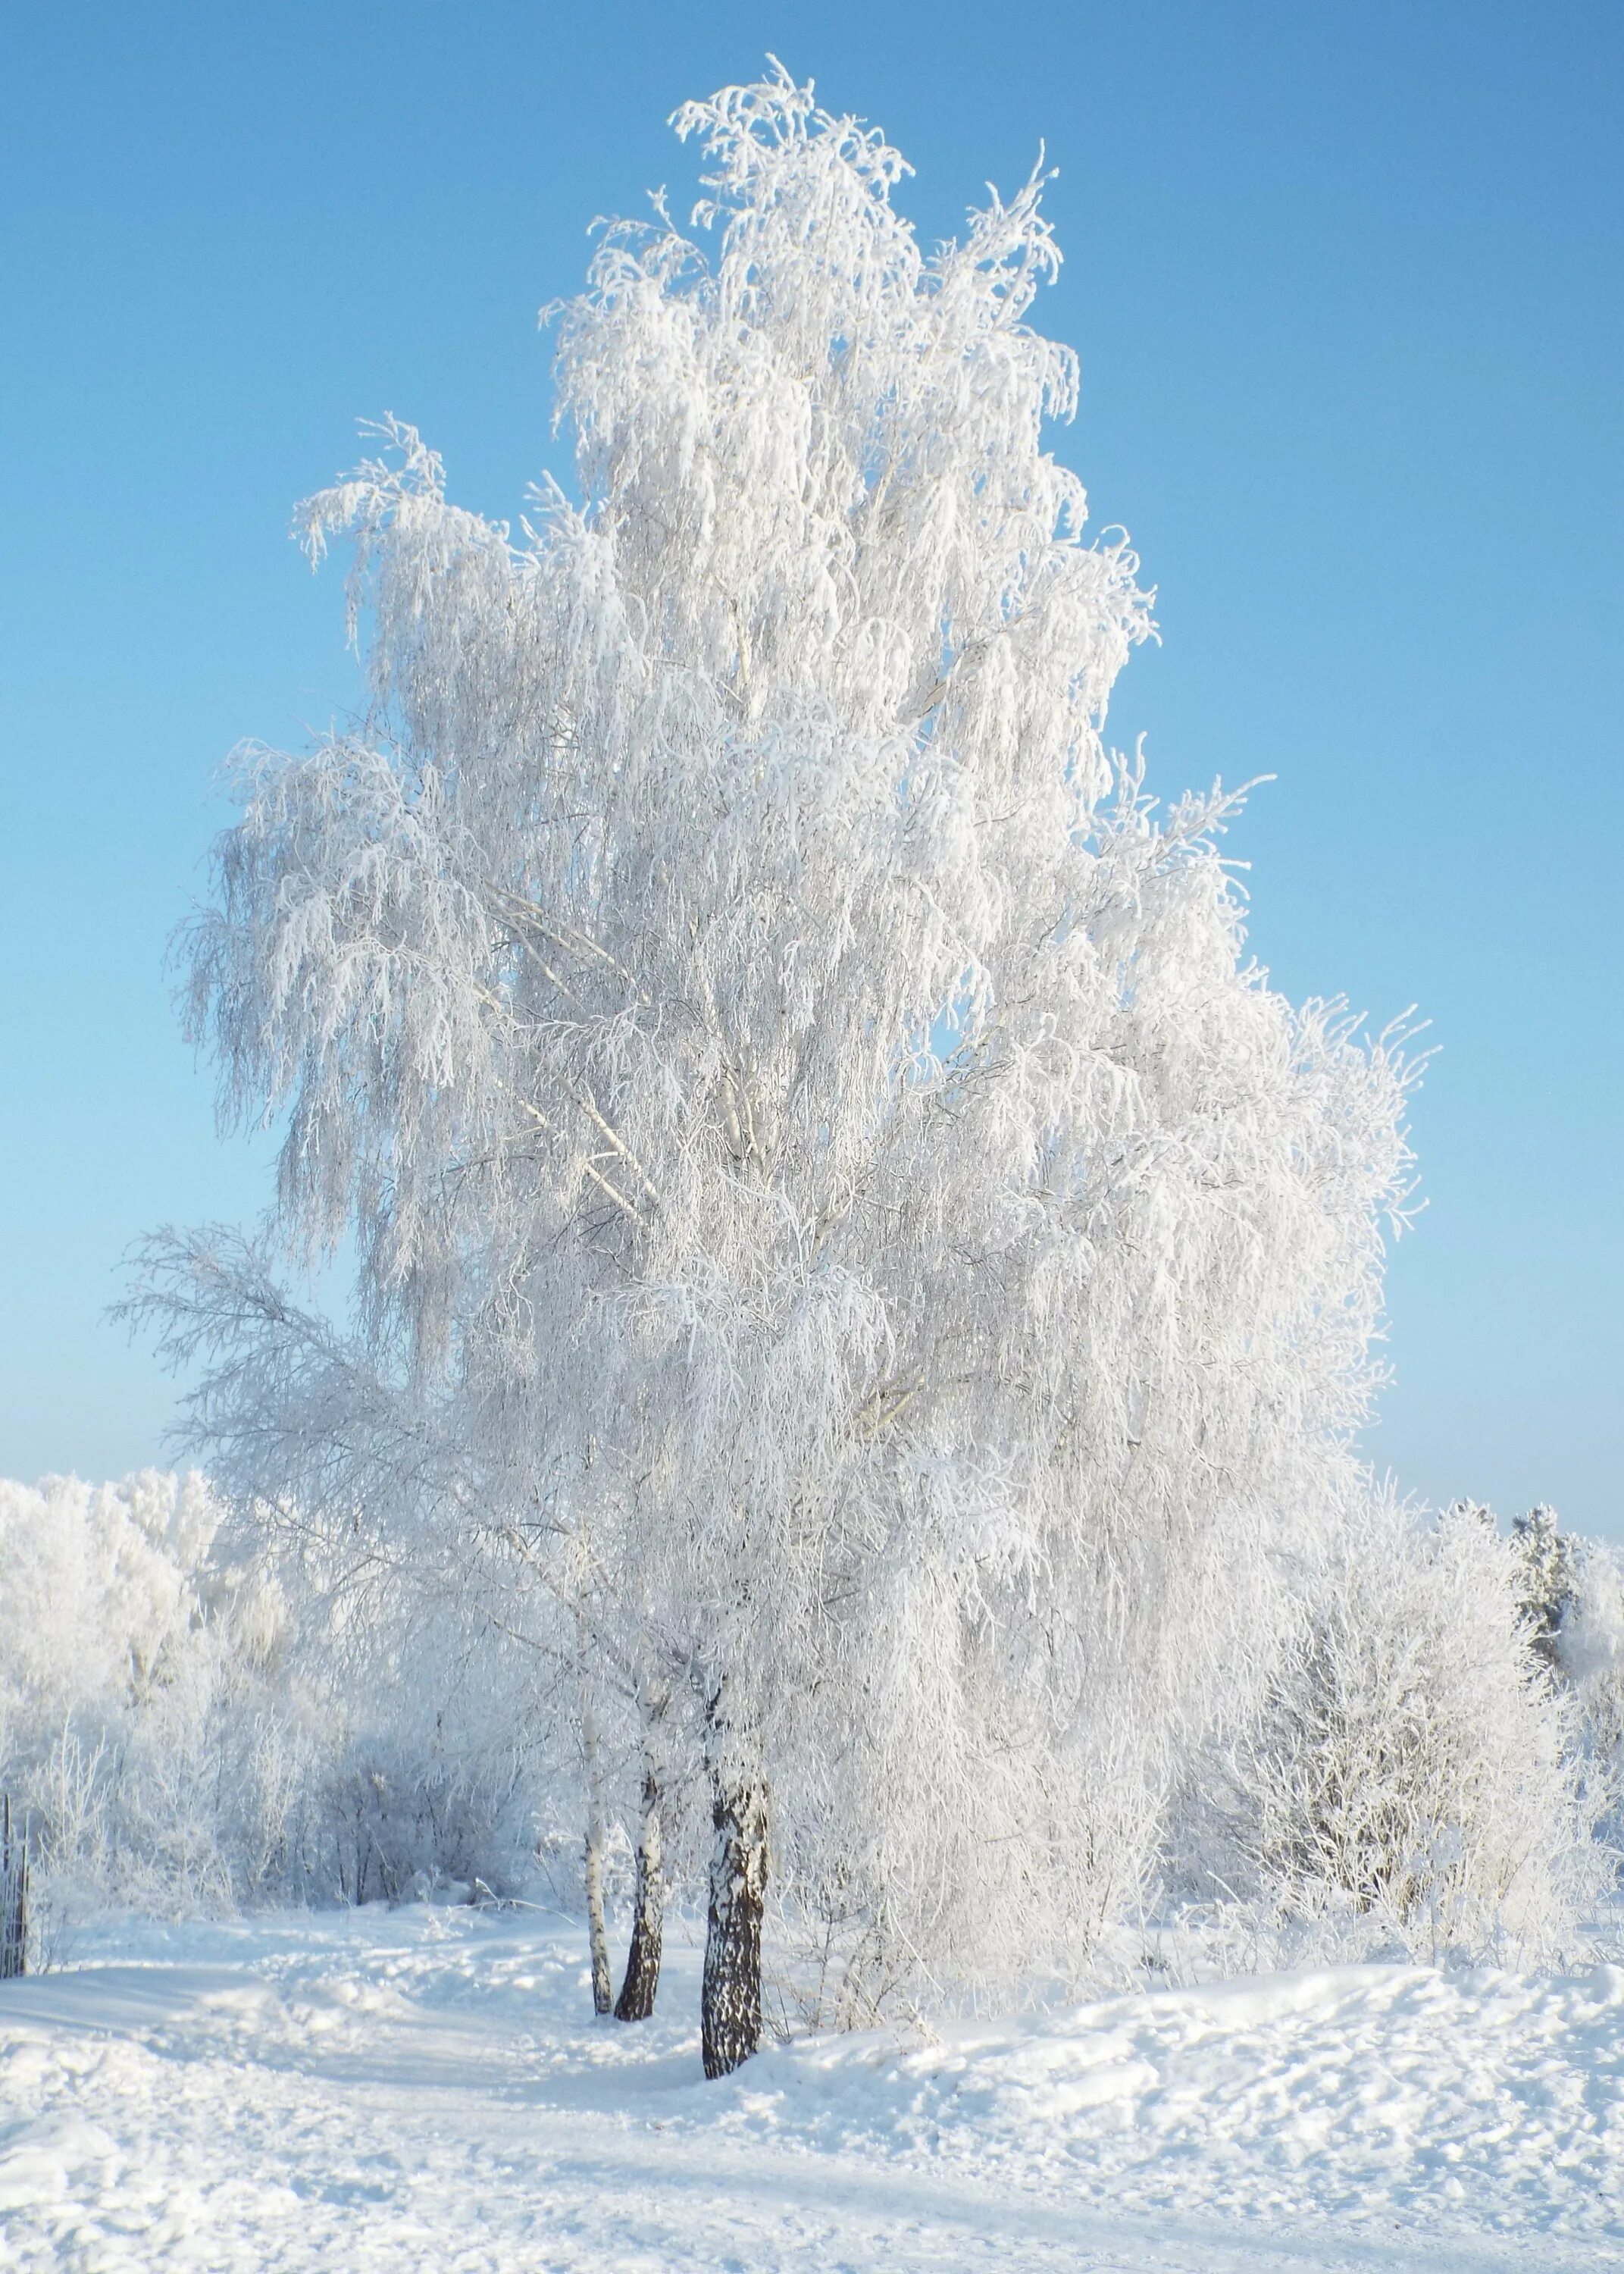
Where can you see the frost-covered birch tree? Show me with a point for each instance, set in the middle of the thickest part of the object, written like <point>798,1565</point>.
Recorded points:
<point>890,1260</point>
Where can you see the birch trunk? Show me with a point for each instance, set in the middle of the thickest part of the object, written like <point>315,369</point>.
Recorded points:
<point>636,2002</point>
<point>730,2000</point>
<point>13,1897</point>
<point>602,1990</point>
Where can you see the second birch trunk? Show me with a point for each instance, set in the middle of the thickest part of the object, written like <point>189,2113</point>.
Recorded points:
<point>603,1988</point>
<point>636,2002</point>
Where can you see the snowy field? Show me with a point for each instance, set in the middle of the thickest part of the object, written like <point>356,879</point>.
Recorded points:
<point>425,2088</point>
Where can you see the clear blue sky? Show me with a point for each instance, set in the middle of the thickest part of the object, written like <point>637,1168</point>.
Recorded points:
<point>1346,284</point>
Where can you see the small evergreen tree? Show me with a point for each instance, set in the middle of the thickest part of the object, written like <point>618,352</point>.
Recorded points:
<point>1548,1581</point>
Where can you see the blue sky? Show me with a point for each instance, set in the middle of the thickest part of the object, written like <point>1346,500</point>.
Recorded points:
<point>1345,281</point>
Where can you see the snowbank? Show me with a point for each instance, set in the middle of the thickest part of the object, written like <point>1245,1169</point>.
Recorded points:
<point>394,2090</point>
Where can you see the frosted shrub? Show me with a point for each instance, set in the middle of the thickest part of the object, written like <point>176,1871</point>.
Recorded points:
<point>1571,1594</point>
<point>434,1772</point>
<point>1588,1648</point>
<point>120,1659</point>
<point>182,1728</point>
<point>1408,1776</point>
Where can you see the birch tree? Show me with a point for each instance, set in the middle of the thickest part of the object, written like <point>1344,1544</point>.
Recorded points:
<point>788,1092</point>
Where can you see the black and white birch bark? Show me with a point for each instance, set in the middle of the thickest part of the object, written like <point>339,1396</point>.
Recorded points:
<point>636,2002</point>
<point>730,1997</point>
<point>603,1988</point>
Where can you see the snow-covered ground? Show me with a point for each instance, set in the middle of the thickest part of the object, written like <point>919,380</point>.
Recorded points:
<point>425,2088</point>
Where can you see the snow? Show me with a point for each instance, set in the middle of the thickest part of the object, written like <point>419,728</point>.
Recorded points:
<point>427,2086</point>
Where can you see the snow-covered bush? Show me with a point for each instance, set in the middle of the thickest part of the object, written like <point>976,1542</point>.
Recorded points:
<point>1409,1776</point>
<point>140,1728</point>
<point>435,1766</point>
<point>1588,1653</point>
<point>184,1724</point>
<point>1571,1594</point>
